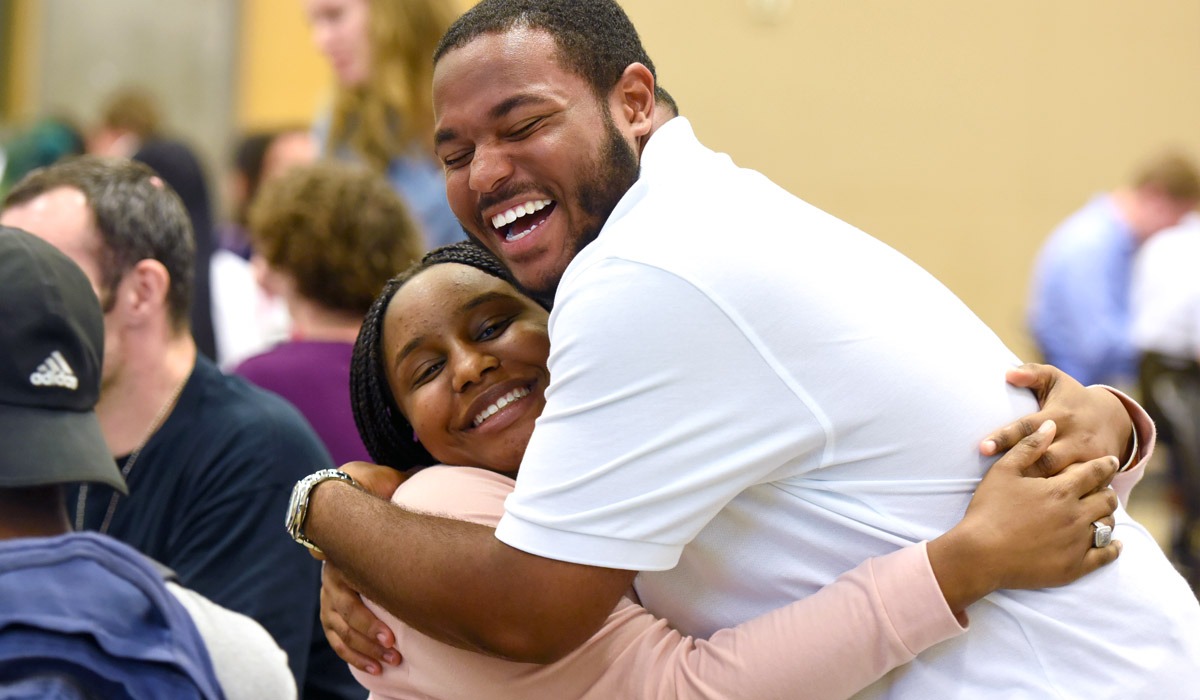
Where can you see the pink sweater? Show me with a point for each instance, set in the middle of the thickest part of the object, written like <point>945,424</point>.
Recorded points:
<point>872,619</point>
<point>837,641</point>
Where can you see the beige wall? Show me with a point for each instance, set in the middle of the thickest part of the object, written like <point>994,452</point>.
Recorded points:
<point>958,132</point>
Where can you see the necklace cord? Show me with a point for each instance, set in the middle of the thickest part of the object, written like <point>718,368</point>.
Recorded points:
<point>159,419</point>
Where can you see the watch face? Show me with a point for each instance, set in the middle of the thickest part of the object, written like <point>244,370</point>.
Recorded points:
<point>290,519</point>
<point>297,507</point>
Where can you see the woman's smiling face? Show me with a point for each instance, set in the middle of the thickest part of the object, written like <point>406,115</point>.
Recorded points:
<point>465,355</point>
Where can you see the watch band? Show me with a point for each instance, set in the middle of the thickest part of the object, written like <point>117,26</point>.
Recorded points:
<point>298,505</point>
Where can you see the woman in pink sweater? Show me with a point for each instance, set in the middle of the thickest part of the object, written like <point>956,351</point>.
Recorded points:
<point>464,316</point>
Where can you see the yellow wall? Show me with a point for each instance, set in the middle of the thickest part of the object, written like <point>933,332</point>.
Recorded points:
<point>21,55</point>
<point>283,80</point>
<point>958,132</point>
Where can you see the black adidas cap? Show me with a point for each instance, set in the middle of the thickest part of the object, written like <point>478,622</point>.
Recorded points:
<point>51,347</point>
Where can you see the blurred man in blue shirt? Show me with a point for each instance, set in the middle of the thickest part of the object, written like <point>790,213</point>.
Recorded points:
<point>1079,309</point>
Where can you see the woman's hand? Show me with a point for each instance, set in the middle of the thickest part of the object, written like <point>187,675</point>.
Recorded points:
<point>1024,530</point>
<point>1092,422</point>
<point>377,480</point>
<point>356,635</point>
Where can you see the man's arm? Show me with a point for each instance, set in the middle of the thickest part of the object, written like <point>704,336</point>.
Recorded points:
<point>502,601</point>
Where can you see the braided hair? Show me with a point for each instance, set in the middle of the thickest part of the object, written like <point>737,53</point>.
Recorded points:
<point>385,432</point>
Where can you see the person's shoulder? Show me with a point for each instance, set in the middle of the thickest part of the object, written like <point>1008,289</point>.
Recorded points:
<point>263,366</point>
<point>291,362</point>
<point>251,417</point>
<point>75,546</point>
<point>234,396</point>
<point>1090,225</point>
<point>462,493</point>
<point>247,660</point>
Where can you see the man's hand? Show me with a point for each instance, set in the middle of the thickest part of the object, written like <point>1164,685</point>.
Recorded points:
<point>343,615</point>
<point>1092,422</point>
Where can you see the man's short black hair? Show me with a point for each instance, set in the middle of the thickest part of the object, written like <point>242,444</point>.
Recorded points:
<point>595,38</point>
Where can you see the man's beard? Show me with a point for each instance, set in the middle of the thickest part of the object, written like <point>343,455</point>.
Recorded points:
<point>603,184</point>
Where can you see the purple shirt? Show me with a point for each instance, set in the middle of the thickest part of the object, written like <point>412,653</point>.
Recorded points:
<point>315,377</point>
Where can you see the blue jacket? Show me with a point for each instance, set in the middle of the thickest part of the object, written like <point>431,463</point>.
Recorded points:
<point>82,615</point>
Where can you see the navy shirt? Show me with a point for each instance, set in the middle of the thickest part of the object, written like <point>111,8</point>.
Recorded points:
<point>208,495</point>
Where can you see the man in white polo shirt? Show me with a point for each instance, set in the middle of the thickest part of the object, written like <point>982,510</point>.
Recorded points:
<point>748,397</point>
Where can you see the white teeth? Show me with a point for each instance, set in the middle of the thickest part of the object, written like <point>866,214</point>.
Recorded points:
<point>511,397</point>
<point>505,218</point>
<point>518,236</point>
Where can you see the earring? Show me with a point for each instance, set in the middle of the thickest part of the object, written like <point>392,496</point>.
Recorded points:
<point>415,438</point>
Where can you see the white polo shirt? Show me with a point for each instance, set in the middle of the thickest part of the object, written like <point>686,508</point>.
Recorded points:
<point>749,397</point>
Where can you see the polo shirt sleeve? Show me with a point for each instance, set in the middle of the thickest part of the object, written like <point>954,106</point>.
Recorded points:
<point>655,419</point>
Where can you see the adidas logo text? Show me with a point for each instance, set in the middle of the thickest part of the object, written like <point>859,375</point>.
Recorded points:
<point>55,371</point>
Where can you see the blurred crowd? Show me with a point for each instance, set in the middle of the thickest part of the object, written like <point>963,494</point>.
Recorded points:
<point>286,243</point>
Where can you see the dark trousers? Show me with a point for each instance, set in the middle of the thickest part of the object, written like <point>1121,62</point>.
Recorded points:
<point>1171,395</point>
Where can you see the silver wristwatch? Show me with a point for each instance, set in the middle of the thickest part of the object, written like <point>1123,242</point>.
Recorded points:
<point>298,506</point>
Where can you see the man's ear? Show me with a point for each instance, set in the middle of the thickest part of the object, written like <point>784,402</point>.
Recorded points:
<point>142,293</point>
<point>634,94</point>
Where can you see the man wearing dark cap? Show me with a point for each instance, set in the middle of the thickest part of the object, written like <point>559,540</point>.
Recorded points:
<point>82,615</point>
<point>209,459</point>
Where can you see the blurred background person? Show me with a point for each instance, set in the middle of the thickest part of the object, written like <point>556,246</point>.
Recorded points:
<point>129,117</point>
<point>1165,307</point>
<point>131,125</point>
<point>246,318</point>
<point>1079,307</point>
<point>258,157</point>
<point>179,167</point>
<point>330,236</point>
<point>45,142</point>
<point>381,53</point>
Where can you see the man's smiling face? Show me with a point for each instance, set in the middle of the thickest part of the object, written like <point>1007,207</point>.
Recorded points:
<point>534,160</point>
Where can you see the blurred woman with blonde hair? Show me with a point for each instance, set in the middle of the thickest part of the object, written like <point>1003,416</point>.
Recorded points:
<point>381,53</point>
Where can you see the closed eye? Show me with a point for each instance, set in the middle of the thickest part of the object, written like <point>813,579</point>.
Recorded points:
<point>457,160</point>
<point>526,128</point>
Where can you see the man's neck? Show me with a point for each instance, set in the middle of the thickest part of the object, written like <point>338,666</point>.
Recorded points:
<point>33,512</point>
<point>311,321</point>
<point>662,115</point>
<point>135,403</point>
<point>1129,207</point>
